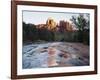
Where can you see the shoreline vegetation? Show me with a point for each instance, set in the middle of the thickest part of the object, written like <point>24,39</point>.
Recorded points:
<point>75,31</point>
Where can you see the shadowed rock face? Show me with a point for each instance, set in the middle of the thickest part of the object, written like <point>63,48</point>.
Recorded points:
<point>57,54</point>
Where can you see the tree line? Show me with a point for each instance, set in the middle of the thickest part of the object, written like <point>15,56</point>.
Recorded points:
<point>33,34</point>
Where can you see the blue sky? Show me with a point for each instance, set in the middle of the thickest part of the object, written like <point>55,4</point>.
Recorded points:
<point>36,17</point>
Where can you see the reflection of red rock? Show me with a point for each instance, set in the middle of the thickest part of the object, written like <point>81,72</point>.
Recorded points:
<point>64,55</point>
<point>52,57</point>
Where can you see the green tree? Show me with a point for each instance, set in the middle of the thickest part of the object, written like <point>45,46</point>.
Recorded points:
<point>82,24</point>
<point>30,32</point>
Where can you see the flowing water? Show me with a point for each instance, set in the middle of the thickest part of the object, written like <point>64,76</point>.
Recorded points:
<point>67,54</point>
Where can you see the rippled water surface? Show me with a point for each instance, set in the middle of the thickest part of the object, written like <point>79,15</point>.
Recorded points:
<point>36,55</point>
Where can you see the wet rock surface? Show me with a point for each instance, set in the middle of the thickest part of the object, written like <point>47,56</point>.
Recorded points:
<point>67,54</point>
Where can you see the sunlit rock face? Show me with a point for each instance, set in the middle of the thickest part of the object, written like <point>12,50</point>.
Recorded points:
<point>62,25</point>
<point>65,25</point>
<point>51,24</point>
